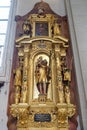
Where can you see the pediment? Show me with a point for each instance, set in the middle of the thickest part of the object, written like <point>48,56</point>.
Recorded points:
<point>27,40</point>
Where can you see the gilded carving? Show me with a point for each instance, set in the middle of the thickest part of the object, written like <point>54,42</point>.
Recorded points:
<point>62,117</point>
<point>67,95</point>
<point>25,78</point>
<point>42,75</point>
<point>21,112</point>
<point>27,28</point>
<point>64,112</point>
<point>42,79</point>
<point>18,77</point>
<point>56,29</point>
<point>18,83</point>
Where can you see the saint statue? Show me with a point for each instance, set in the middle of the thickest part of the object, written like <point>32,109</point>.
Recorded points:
<point>42,75</point>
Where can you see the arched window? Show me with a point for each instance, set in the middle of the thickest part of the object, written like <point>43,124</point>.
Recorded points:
<point>7,14</point>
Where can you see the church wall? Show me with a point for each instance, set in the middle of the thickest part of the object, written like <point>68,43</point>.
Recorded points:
<point>79,11</point>
<point>3,106</point>
<point>26,5</point>
<point>77,17</point>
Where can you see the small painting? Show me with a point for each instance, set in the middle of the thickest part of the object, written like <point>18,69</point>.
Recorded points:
<point>41,29</point>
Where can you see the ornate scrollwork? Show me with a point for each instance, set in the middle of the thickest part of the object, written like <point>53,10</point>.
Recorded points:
<point>51,123</point>
<point>20,111</point>
<point>65,111</point>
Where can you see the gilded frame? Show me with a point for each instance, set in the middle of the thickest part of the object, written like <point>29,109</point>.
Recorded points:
<point>46,22</point>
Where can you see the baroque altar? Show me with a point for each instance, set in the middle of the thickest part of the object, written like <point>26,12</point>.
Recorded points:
<point>42,78</point>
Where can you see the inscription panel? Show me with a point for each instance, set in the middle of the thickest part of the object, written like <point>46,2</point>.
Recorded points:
<point>42,117</point>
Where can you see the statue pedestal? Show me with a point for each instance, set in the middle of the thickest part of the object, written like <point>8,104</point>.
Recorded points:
<point>42,98</point>
<point>42,115</point>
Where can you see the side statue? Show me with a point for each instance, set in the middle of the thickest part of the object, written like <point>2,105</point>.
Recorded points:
<point>26,28</point>
<point>56,29</point>
<point>42,75</point>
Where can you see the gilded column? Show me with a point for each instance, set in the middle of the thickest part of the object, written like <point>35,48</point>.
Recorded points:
<point>25,75</point>
<point>17,83</point>
<point>59,75</point>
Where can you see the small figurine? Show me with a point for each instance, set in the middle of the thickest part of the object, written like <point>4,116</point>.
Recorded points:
<point>41,12</point>
<point>67,75</point>
<point>56,29</point>
<point>27,28</point>
<point>67,95</point>
<point>18,77</point>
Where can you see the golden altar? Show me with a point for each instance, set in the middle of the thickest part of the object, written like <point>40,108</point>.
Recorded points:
<point>42,98</point>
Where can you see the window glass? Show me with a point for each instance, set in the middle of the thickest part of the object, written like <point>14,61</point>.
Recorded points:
<point>3,26</point>
<point>4,13</point>
<point>1,54</point>
<point>2,39</point>
<point>5,2</point>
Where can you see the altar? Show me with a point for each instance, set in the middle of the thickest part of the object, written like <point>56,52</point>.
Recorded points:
<point>42,75</point>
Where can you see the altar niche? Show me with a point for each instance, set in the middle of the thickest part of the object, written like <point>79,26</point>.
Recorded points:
<point>42,76</point>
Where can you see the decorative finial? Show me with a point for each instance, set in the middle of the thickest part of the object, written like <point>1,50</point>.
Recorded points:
<point>41,0</point>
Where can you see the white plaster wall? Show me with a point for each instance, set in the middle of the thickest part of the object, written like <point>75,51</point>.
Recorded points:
<point>24,6</point>
<point>3,106</point>
<point>77,17</point>
<point>79,11</point>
